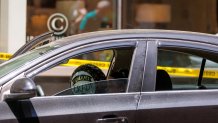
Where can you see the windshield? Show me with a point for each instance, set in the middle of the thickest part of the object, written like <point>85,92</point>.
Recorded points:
<point>24,59</point>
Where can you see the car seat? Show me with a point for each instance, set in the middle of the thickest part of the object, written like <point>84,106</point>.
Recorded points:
<point>163,81</point>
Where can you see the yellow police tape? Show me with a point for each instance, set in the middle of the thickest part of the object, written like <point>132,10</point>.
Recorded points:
<point>77,62</point>
<point>189,72</point>
<point>5,56</point>
<point>173,71</point>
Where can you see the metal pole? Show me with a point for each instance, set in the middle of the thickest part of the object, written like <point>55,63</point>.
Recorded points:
<point>119,14</point>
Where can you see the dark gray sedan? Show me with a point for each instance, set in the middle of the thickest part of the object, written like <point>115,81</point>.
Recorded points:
<point>152,77</point>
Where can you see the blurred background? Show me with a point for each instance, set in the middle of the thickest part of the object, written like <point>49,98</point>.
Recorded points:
<point>21,20</point>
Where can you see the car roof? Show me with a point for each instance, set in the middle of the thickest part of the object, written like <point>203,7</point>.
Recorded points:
<point>140,33</point>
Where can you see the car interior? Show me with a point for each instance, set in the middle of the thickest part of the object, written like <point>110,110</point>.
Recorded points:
<point>188,61</point>
<point>116,76</point>
<point>163,81</point>
<point>118,72</point>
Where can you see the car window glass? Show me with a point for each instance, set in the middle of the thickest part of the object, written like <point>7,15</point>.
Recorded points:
<point>98,87</point>
<point>91,73</point>
<point>16,63</point>
<point>180,71</point>
<point>105,55</point>
<point>210,79</point>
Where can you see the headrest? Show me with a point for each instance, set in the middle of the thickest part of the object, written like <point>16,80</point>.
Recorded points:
<point>163,81</point>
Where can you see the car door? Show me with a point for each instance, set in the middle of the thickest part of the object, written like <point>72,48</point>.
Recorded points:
<point>172,93</point>
<point>92,108</point>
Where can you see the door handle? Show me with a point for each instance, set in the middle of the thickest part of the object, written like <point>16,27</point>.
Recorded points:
<point>113,120</point>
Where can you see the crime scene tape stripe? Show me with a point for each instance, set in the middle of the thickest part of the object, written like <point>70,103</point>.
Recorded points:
<point>5,56</point>
<point>77,62</point>
<point>189,72</point>
<point>173,71</point>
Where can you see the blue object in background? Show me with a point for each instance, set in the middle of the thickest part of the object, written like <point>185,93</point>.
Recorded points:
<point>86,18</point>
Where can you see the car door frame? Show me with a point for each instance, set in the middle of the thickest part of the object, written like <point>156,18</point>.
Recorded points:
<point>47,37</point>
<point>151,56</point>
<point>139,44</point>
<point>168,102</point>
<point>130,98</point>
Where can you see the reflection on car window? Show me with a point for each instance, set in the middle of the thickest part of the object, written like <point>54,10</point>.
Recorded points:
<point>105,86</point>
<point>89,73</point>
<point>15,63</point>
<point>105,55</point>
<point>181,71</point>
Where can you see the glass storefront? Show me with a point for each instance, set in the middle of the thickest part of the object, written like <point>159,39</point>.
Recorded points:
<point>29,18</point>
<point>69,17</point>
<point>186,15</point>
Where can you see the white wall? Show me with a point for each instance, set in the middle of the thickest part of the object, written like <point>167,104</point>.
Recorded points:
<point>12,25</point>
<point>3,25</point>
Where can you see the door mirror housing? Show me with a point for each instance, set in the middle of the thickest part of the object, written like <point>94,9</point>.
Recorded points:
<point>23,88</point>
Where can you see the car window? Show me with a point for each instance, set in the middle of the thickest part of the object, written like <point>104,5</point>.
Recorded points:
<point>98,87</point>
<point>180,71</point>
<point>95,72</point>
<point>16,63</point>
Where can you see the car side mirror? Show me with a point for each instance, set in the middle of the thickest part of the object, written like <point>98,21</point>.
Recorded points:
<point>23,88</point>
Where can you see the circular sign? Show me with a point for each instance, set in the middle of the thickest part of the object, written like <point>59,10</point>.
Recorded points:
<point>82,83</point>
<point>58,23</point>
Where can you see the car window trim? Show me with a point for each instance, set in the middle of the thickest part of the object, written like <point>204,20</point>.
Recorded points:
<point>72,51</point>
<point>197,48</point>
<point>83,49</point>
<point>200,77</point>
<point>30,45</point>
<point>172,44</point>
<point>149,75</point>
<point>75,52</point>
<point>110,64</point>
<point>137,66</point>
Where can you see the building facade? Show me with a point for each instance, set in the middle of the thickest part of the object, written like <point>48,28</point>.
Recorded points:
<point>22,20</point>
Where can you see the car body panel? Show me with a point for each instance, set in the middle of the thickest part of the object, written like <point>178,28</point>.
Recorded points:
<point>178,106</point>
<point>73,108</point>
